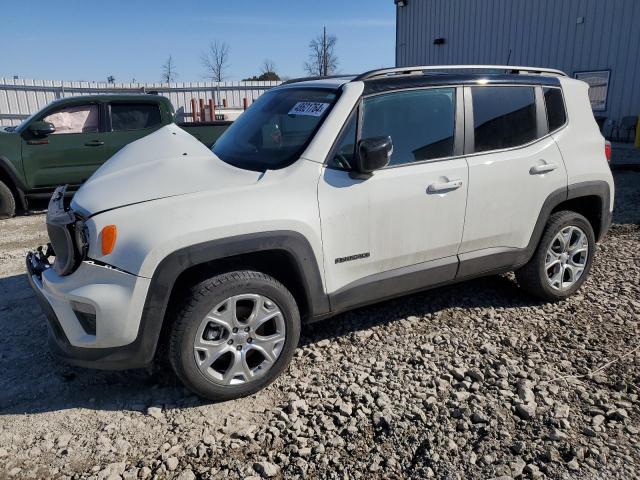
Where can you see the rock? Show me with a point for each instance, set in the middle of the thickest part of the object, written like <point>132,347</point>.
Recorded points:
<point>561,411</point>
<point>573,465</point>
<point>144,472</point>
<point>171,463</point>
<point>618,415</point>
<point>64,439</point>
<point>112,471</point>
<point>186,475</point>
<point>266,469</point>
<point>475,375</point>
<point>525,393</point>
<point>479,417</point>
<point>532,470</point>
<point>208,439</point>
<point>155,412</point>
<point>3,453</point>
<point>380,420</point>
<point>526,411</point>
<point>597,420</point>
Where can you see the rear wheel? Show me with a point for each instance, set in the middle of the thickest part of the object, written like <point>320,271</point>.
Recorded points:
<point>234,335</point>
<point>7,202</point>
<point>563,258</point>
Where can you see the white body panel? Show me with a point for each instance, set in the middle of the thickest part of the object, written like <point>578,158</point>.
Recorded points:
<point>391,217</point>
<point>505,198</point>
<point>580,142</point>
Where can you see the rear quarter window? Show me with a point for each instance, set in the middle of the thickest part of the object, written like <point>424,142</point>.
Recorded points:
<point>554,103</point>
<point>134,116</point>
<point>503,117</point>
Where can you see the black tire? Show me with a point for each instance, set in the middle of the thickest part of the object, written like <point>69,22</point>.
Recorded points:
<point>7,202</point>
<point>532,277</point>
<point>204,297</point>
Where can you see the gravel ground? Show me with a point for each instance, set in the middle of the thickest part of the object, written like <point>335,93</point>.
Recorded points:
<point>476,380</point>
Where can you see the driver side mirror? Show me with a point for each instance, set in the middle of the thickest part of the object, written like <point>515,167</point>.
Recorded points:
<point>42,129</point>
<point>373,154</point>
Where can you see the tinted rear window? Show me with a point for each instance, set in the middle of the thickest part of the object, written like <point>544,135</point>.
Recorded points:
<point>503,117</point>
<point>556,115</point>
<point>134,116</point>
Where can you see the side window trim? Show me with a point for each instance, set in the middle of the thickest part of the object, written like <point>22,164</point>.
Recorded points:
<point>469,132</point>
<point>542,127</point>
<point>356,112</point>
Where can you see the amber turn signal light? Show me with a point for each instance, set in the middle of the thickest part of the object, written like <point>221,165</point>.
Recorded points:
<point>109,235</point>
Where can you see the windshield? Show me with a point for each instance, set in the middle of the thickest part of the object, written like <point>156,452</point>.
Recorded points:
<point>275,130</point>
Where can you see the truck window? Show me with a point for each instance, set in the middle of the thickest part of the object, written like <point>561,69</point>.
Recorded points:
<point>75,119</point>
<point>420,123</point>
<point>503,117</point>
<point>134,116</point>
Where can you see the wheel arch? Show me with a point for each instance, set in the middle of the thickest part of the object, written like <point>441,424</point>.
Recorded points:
<point>11,179</point>
<point>285,255</point>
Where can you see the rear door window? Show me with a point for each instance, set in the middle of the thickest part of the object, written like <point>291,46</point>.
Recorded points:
<point>503,117</point>
<point>556,115</point>
<point>134,116</point>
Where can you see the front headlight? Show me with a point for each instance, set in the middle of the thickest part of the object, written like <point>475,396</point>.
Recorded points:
<point>82,238</point>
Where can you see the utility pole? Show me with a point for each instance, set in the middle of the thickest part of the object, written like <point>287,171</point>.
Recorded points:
<point>325,60</point>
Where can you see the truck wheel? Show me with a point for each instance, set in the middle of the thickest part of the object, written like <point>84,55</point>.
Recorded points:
<point>7,202</point>
<point>234,335</point>
<point>562,260</point>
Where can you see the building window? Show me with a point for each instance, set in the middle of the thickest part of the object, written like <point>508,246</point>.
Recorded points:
<point>556,116</point>
<point>503,117</point>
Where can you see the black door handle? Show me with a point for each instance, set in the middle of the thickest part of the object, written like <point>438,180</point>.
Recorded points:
<point>94,143</point>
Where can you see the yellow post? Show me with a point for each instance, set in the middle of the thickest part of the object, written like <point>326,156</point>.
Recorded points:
<point>638,133</point>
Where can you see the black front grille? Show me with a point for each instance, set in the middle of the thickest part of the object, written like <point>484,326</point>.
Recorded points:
<point>60,227</point>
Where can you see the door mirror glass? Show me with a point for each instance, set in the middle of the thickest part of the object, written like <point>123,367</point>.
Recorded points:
<point>42,129</point>
<point>373,154</point>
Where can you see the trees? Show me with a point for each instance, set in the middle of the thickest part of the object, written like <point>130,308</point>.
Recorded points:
<point>111,79</point>
<point>267,72</point>
<point>169,73</point>
<point>215,60</point>
<point>322,59</point>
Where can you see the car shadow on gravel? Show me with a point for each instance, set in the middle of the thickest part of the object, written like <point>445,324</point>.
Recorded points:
<point>495,291</point>
<point>32,380</point>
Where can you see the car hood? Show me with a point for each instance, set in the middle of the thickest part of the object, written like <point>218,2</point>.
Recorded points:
<point>169,162</point>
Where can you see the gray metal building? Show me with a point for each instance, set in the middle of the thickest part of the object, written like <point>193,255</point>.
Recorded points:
<point>595,40</point>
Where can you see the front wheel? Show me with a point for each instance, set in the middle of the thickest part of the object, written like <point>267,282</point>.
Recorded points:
<point>7,202</point>
<point>234,335</point>
<point>563,259</point>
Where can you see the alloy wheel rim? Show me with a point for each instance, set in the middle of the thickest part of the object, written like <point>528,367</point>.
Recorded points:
<point>566,258</point>
<point>240,339</point>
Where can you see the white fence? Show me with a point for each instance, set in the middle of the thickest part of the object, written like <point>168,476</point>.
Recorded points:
<point>19,98</point>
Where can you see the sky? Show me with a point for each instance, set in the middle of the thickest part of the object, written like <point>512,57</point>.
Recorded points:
<point>90,40</point>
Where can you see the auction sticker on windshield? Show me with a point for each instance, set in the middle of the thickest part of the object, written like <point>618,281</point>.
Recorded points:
<point>315,109</point>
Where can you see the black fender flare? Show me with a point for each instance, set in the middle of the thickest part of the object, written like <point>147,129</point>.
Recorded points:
<point>174,264</point>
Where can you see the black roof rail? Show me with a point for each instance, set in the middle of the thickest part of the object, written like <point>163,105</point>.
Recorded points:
<point>308,79</point>
<point>414,70</point>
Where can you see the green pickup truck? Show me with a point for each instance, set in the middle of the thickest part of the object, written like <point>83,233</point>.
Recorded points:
<point>65,142</point>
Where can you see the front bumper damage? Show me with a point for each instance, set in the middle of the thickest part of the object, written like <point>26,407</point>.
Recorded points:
<point>93,312</point>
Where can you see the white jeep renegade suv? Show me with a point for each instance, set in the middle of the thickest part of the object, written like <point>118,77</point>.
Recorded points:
<point>325,195</point>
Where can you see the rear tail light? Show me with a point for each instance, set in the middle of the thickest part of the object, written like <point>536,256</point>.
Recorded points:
<point>607,150</point>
